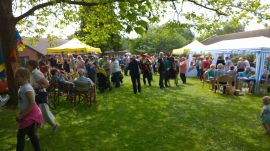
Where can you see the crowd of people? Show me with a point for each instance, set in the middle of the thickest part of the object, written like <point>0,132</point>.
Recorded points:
<point>106,73</point>
<point>242,70</point>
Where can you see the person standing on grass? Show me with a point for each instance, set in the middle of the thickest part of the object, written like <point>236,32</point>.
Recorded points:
<point>206,64</point>
<point>199,68</point>
<point>40,83</point>
<point>220,60</point>
<point>30,116</point>
<point>146,69</point>
<point>116,71</point>
<point>161,70</point>
<point>183,70</point>
<point>134,71</point>
<point>265,114</point>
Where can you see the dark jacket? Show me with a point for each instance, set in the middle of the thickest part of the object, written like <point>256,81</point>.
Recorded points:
<point>134,67</point>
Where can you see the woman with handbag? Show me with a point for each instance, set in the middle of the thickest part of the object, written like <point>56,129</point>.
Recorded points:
<point>40,83</point>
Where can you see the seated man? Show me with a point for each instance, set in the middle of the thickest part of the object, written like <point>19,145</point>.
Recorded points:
<point>81,80</point>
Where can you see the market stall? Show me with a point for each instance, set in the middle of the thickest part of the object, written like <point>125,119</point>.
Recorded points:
<point>195,45</point>
<point>260,46</point>
<point>73,46</point>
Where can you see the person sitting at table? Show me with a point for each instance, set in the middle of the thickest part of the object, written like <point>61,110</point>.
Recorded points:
<point>248,78</point>
<point>81,79</point>
<point>245,73</point>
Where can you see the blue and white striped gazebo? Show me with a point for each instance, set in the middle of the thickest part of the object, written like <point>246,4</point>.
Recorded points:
<point>253,45</point>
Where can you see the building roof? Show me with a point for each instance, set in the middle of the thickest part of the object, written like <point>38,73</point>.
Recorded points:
<point>42,44</point>
<point>238,35</point>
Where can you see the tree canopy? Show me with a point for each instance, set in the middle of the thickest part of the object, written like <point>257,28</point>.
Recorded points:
<point>162,38</point>
<point>100,19</point>
<point>227,29</point>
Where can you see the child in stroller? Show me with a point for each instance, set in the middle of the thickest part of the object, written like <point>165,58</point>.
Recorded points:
<point>103,80</point>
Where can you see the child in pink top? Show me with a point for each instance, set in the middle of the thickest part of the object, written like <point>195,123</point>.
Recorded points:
<point>30,116</point>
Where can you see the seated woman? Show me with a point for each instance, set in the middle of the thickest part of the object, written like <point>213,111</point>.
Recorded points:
<point>245,73</point>
<point>60,80</point>
<point>210,75</point>
<point>247,79</point>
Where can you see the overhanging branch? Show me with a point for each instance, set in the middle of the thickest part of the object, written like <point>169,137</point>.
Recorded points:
<point>206,7</point>
<point>50,3</point>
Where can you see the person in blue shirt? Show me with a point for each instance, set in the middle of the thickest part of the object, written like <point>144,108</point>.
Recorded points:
<point>58,79</point>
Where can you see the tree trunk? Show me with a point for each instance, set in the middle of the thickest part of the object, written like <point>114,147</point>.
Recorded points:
<point>7,44</point>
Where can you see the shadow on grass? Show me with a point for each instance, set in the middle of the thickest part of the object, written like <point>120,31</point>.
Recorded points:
<point>177,118</point>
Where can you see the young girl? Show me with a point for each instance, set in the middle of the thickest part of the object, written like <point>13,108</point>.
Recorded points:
<point>30,116</point>
<point>265,114</point>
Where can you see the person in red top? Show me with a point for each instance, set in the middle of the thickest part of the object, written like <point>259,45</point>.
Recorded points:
<point>183,70</point>
<point>206,64</point>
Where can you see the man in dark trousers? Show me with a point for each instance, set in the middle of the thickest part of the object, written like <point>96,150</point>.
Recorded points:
<point>161,70</point>
<point>134,71</point>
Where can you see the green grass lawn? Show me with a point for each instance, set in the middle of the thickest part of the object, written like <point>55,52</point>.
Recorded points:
<point>175,119</point>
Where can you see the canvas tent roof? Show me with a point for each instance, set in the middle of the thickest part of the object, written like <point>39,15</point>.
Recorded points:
<point>195,45</point>
<point>248,44</point>
<point>238,35</point>
<point>74,46</point>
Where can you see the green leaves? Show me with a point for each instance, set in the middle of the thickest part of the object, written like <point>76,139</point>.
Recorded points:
<point>162,38</point>
<point>139,30</point>
<point>98,23</point>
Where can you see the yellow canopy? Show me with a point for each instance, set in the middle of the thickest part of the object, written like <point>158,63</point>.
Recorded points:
<point>192,46</point>
<point>74,46</point>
